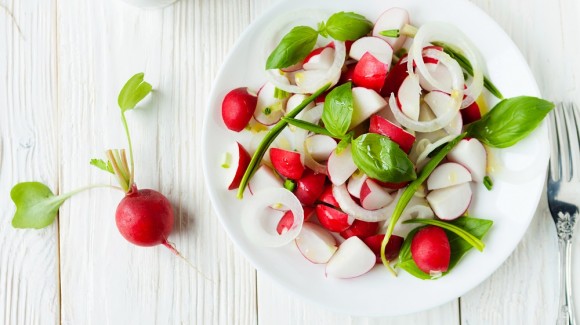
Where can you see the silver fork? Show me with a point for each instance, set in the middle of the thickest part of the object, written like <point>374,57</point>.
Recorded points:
<point>564,196</point>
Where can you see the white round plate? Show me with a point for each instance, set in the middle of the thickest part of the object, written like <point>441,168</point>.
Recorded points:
<point>518,180</point>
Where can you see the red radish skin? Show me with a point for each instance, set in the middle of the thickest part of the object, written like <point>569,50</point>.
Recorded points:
<point>395,79</point>
<point>430,250</point>
<point>391,250</point>
<point>361,229</point>
<point>145,218</point>
<point>238,108</point>
<point>328,198</point>
<point>287,163</point>
<point>243,162</point>
<point>333,219</point>
<point>471,113</point>
<point>348,74</point>
<point>310,187</point>
<point>287,220</point>
<point>370,73</point>
<point>382,126</point>
<point>392,186</point>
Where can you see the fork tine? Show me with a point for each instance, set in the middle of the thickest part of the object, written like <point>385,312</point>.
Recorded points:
<point>572,125</point>
<point>554,149</point>
<point>563,144</point>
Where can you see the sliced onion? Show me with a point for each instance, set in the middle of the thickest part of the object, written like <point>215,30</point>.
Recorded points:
<point>425,126</point>
<point>348,205</point>
<point>428,149</point>
<point>310,162</point>
<point>256,210</point>
<point>313,116</point>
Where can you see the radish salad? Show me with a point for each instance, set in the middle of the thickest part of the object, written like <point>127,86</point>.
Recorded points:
<point>364,142</point>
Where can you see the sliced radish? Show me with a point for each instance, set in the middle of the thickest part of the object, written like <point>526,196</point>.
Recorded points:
<point>269,109</point>
<point>409,97</point>
<point>370,72</point>
<point>431,251</point>
<point>333,219</point>
<point>287,219</point>
<point>448,174</point>
<point>391,250</point>
<point>394,18</point>
<point>310,79</point>
<point>296,100</point>
<point>440,103</point>
<point>395,79</point>
<point>471,113</point>
<point>292,68</point>
<point>440,73</point>
<point>366,103</point>
<point>401,137</point>
<point>240,159</point>
<point>328,198</point>
<point>361,229</point>
<point>451,202</point>
<point>348,205</point>
<point>472,155</point>
<point>340,166</point>
<point>316,243</point>
<point>379,48</point>
<point>237,108</point>
<point>309,187</point>
<point>353,258</point>
<point>287,163</point>
<point>373,196</point>
<point>264,178</point>
<point>320,146</point>
<point>258,224</point>
<point>321,60</point>
<point>347,73</point>
<point>355,183</point>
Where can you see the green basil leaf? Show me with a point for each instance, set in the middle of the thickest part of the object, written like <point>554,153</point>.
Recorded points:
<point>382,159</point>
<point>338,107</point>
<point>510,121</point>
<point>134,90</point>
<point>293,47</point>
<point>344,142</point>
<point>346,26</point>
<point>36,205</point>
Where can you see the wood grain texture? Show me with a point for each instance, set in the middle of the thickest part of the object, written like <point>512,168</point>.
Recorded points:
<point>29,291</point>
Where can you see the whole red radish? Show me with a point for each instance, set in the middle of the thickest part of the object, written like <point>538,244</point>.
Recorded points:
<point>391,250</point>
<point>333,219</point>
<point>238,108</point>
<point>430,250</point>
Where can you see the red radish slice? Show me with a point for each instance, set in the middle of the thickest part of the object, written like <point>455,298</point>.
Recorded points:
<point>328,198</point>
<point>264,178</point>
<point>431,251</point>
<point>471,113</point>
<point>373,196</point>
<point>472,155</point>
<point>395,79</point>
<point>353,258</point>
<point>310,187</point>
<point>448,174</point>
<point>409,96</point>
<point>394,18</point>
<point>315,243</point>
<point>332,219</point>
<point>320,146</point>
<point>391,250</point>
<point>451,202</point>
<point>320,61</point>
<point>240,159</point>
<point>440,103</point>
<point>370,72</point>
<point>258,225</point>
<point>269,109</point>
<point>440,73</point>
<point>361,229</point>
<point>340,166</point>
<point>237,108</point>
<point>380,49</point>
<point>347,74</point>
<point>366,103</point>
<point>348,205</point>
<point>287,163</point>
<point>287,220</point>
<point>355,183</point>
<point>401,137</point>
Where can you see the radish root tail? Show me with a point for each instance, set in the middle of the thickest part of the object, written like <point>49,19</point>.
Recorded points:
<point>174,250</point>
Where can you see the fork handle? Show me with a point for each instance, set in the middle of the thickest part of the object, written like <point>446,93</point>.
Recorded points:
<point>566,306</point>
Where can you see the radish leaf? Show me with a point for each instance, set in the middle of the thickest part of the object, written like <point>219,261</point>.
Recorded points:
<point>338,108</point>
<point>36,205</point>
<point>133,92</point>
<point>293,48</point>
<point>346,26</point>
<point>102,165</point>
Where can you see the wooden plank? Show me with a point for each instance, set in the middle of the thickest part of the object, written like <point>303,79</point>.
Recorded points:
<point>105,279</point>
<point>29,288</point>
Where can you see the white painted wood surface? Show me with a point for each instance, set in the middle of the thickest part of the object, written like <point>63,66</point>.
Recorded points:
<point>61,65</point>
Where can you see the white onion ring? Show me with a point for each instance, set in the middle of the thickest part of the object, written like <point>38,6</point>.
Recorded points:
<point>255,207</point>
<point>425,126</point>
<point>349,206</point>
<point>428,149</point>
<point>437,31</point>
<point>311,163</point>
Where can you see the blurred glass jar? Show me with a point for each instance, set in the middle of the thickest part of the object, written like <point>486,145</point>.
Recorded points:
<point>150,3</point>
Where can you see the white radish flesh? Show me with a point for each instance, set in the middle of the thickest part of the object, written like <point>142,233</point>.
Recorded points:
<point>353,258</point>
<point>472,155</point>
<point>448,174</point>
<point>269,109</point>
<point>316,243</point>
<point>355,183</point>
<point>320,146</point>
<point>264,178</point>
<point>394,18</point>
<point>348,205</point>
<point>409,96</point>
<point>379,48</point>
<point>440,104</point>
<point>451,202</point>
<point>321,61</point>
<point>366,103</point>
<point>340,166</point>
<point>373,196</point>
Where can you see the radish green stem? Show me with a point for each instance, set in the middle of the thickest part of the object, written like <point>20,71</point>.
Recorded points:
<point>270,137</point>
<point>132,170</point>
<point>411,189</point>
<point>118,165</point>
<point>89,187</point>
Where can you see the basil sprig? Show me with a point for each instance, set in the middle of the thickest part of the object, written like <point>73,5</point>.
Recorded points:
<point>293,48</point>
<point>338,108</point>
<point>381,158</point>
<point>510,121</point>
<point>345,26</point>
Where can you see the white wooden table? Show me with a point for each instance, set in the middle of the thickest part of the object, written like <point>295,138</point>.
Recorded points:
<point>62,63</point>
